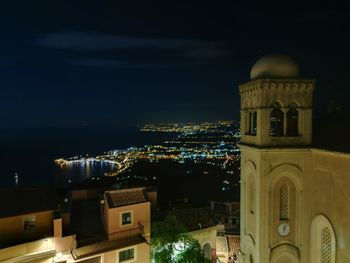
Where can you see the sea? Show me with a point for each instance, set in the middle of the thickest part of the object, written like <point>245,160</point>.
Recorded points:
<point>29,153</point>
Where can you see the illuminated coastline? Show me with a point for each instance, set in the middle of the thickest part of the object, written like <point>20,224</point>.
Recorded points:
<point>212,143</point>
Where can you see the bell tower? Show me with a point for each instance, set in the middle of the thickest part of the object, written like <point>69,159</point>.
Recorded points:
<point>276,105</point>
<point>276,132</point>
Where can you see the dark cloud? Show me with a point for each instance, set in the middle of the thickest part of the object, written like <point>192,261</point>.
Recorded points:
<point>157,54</point>
<point>159,66</point>
<point>110,63</point>
<point>93,41</point>
<point>97,41</point>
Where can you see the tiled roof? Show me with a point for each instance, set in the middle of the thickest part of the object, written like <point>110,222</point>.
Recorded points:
<point>126,197</point>
<point>195,218</point>
<point>105,246</point>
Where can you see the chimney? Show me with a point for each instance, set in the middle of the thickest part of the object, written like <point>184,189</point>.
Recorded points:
<point>57,227</point>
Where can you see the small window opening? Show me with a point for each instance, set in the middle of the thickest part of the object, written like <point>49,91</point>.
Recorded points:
<point>276,120</point>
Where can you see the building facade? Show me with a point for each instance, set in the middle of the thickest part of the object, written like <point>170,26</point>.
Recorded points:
<point>126,219</point>
<point>26,215</point>
<point>125,215</point>
<point>293,194</point>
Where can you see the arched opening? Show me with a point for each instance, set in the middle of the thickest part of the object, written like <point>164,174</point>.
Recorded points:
<point>251,123</point>
<point>285,201</point>
<point>323,242</point>
<point>207,250</point>
<point>276,120</point>
<point>292,120</point>
<point>247,122</point>
<point>285,253</point>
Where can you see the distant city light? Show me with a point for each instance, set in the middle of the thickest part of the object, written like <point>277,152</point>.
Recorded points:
<point>211,143</point>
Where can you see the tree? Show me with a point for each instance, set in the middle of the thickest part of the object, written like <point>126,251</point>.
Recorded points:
<point>170,244</point>
<point>191,252</point>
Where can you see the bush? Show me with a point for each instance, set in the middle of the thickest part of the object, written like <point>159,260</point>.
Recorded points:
<point>171,245</point>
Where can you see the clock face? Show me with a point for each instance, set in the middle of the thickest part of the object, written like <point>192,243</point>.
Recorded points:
<point>284,229</point>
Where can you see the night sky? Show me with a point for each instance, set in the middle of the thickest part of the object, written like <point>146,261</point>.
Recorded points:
<point>85,62</point>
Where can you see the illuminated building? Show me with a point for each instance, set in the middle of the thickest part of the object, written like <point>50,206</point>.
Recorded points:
<point>228,238</point>
<point>31,225</point>
<point>40,235</point>
<point>294,195</point>
<point>27,215</point>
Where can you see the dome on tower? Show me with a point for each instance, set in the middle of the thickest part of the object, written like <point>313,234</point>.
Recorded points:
<point>274,66</point>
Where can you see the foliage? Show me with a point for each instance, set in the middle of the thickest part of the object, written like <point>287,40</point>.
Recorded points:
<point>171,245</point>
<point>166,231</point>
<point>192,252</point>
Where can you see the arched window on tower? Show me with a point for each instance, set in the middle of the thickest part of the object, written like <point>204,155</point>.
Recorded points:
<point>251,123</point>
<point>284,202</point>
<point>292,120</point>
<point>276,120</point>
<point>323,241</point>
<point>248,123</point>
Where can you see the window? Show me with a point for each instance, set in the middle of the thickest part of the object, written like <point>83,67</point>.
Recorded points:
<point>126,255</point>
<point>126,218</point>
<point>28,223</point>
<point>252,123</point>
<point>276,120</point>
<point>249,123</point>
<point>284,202</point>
<point>326,245</point>
<point>292,121</point>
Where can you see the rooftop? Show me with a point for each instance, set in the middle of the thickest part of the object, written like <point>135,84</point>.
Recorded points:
<point>126,197</point>
<point>106,246</point>
<point>191,218</point>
